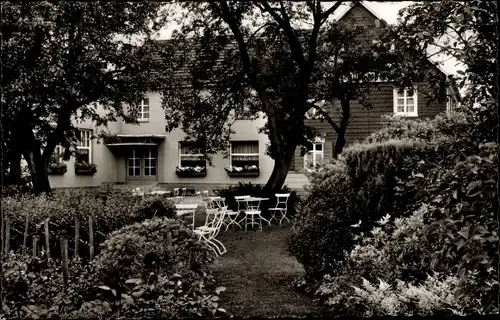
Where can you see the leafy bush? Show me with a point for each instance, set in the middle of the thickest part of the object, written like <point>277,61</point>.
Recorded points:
<point>358,188</point>
<point>454,124</point>
<point>257,190</point>
<point>156,268</point>
<point>457,176</point>
<point>324,220</point>
<point>398,254</point>
<point>110,210</point>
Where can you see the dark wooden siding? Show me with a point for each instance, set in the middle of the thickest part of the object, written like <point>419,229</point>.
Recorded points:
<point>364,121</point>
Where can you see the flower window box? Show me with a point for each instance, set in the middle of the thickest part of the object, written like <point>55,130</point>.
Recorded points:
<point>57,168</point>
<point>83,168</point>
<point>186,172</point>
<point>246,171</point>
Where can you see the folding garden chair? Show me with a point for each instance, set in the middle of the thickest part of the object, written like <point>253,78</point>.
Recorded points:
<point>176,192</point>
<point>209,205</point>
<point>210,231</point>
<point>183,192</point>
<point>242,205</point>
<point>231,217</point>
<point>254,213</point>
<point>281,208</point>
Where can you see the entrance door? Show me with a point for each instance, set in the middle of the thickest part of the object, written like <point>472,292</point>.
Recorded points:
<point>142,165</point>
<point>314,155</point>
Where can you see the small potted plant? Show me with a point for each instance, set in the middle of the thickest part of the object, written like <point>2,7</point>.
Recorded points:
<point>191,171</point>
<point>245,171</point>
<point>84,168</point>
<point>57,168</point>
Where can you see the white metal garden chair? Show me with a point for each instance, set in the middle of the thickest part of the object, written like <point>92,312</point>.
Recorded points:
<point>242,205</point>
<point>231,217</point>
<point>176,192</point>
<point>183,192</point>
<point>253,213</point>
<point>281,208</point>
<point>210,231</point>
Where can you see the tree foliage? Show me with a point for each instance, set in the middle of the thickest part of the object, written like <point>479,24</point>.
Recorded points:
<point>270,59</point>
<point>65,61</point>
<point>464,30</point>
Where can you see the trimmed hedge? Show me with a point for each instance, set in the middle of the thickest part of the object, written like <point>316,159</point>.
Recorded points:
<point>358,188</point>
<point>455,240</point>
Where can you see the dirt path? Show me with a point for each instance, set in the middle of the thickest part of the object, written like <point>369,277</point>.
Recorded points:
<point>257,272</point>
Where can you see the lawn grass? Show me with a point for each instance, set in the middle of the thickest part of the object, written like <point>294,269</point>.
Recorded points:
<point>257,272</point>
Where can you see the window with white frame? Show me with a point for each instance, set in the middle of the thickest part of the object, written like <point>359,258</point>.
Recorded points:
<point>134,163</point>
<point>150,162</point>
<point>406,102</point>
<point>244,153</point>
<point>84,147</point>
<point>191,155</point>
<point>314,154</point>
<point>144,110</point>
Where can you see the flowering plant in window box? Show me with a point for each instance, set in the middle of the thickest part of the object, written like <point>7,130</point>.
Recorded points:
<point>245,171</point>
<point>191,171</point>
<point>84,168</point>
<point>57,168</point>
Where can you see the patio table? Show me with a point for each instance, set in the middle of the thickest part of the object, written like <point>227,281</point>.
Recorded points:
<point>252,204</point>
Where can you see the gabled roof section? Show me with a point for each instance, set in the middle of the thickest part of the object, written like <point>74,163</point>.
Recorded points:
<point>365,6</point>
<point>353,4</point>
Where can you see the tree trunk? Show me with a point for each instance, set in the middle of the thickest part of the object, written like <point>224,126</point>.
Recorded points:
<point>338,146</point>
<point>15,167</point>
<point>38,166</point>
<point>280,170</point>
<point>344,122</point>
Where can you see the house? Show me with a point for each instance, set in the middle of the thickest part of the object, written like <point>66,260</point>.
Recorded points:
<point>145,154</point>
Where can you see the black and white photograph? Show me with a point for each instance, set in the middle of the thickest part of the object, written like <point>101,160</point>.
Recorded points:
<point>249,159</point>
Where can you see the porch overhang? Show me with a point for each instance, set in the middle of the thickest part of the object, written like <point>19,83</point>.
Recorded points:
<point>134,140</point>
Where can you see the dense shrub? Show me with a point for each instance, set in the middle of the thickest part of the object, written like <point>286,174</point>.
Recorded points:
<point>397,254</point>
<point>257,190</point>
<point>358,188</point>
<point>324,220</point>
<point>156,268</point>
<point>454,124</point>
<point>110,210</point>
<point>456,240</point>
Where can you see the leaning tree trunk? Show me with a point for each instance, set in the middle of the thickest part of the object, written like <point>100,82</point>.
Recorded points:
<point>341,141</point>
<point>280,170</point>
<point>38,166</point>
<point>339,144</point>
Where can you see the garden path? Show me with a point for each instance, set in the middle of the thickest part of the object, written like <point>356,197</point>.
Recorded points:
<point>257,272</point>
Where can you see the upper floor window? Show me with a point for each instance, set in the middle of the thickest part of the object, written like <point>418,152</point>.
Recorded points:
<point>244,153</point>
<point>144,110</point>
<point>191,155</point>
<point>84,147</point>
<point>405,102</point>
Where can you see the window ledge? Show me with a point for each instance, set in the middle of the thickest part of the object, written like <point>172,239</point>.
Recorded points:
<point>407,115</point>
<point>142,120</point>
